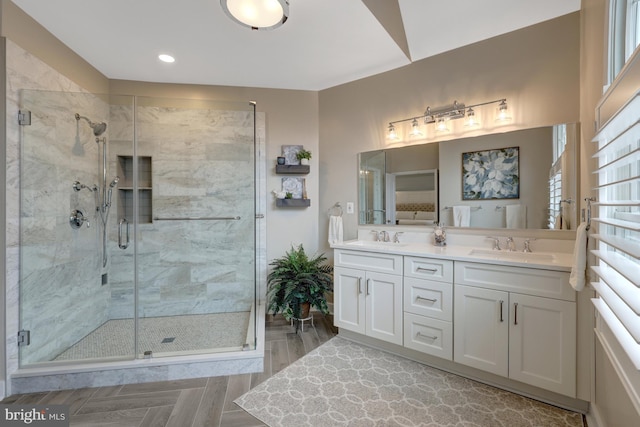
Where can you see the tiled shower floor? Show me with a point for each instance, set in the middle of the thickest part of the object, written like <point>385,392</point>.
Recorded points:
<point>191,333</point>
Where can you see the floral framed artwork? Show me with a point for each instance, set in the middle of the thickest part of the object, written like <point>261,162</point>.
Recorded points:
<point>491,174</point>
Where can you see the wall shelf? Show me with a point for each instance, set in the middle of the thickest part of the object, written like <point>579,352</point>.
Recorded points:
<point>293,203</point>
<point>292,169</point>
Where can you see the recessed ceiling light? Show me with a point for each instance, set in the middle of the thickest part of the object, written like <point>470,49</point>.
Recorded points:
<point>166,58</point>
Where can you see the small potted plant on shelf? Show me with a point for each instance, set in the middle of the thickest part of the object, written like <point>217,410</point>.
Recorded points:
<point>304,156</point>
<point>297,282</point>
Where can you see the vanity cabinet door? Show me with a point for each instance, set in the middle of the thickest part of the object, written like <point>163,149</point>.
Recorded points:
<point>349,299</point>
<point>384,307</point>
<point>542,343</point>
<point>481,329</point>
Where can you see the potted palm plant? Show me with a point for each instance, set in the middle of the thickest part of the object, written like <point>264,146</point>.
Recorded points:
<point>298,282</point>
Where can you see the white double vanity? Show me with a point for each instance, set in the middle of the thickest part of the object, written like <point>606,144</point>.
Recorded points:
<point>507,318</point>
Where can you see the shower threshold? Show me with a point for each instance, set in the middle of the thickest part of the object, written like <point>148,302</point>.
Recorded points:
<point>100,373</point>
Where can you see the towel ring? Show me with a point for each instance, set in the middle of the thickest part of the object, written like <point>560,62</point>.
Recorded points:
<point>335,210</point>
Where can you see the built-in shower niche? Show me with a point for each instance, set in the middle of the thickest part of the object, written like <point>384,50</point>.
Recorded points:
<point>125,189</point>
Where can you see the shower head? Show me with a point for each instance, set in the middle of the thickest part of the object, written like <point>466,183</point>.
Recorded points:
<point>98,128</point>
<point>114,182</point>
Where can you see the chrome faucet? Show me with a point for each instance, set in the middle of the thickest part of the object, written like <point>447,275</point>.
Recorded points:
<point>376,236</point>
<point>496,243</point>
<point>384,236</point>
<point>396,236</point>
<point>527,245</point>
<point>511,245</point>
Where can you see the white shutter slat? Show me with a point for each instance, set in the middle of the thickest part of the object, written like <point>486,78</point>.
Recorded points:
<point>625,290</point>
<point>630,270</point>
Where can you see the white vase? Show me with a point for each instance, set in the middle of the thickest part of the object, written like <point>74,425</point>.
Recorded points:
<point>304,161</point>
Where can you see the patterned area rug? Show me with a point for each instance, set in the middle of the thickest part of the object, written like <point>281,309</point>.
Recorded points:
<point>342,383</point>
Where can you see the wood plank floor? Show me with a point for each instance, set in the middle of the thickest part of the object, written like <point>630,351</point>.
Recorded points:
<point>196,402</point>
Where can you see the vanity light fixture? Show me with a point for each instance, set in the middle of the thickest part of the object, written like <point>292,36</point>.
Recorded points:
<point>257,14</point>
<point>441,115</point>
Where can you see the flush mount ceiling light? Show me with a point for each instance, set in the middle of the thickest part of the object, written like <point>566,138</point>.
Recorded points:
<point>441,115</point>
<point>257,14</point>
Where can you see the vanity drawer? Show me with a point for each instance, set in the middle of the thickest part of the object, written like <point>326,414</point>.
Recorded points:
<point>430,336</point>
<point>428,268</point>
<point>428,298</point>
<point>530,281</point>
<point>370,261</point>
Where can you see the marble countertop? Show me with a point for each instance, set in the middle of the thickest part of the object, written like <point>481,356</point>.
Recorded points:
<point>558,261</point>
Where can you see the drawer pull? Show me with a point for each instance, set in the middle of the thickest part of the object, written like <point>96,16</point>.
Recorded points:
<point>420,334</point>
<point>433,301</point>
<point>368,283</point>
<point>515,313</point>
<point>429,270</point>
<point>359,285</point>
<point>501,305</point>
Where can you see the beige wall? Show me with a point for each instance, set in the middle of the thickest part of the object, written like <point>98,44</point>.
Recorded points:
<point>536,69</point>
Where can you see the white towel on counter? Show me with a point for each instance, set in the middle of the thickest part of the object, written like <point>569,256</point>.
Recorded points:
<point>461,216</point>
<point>516,216</point>
<point>335,229</point>
<point>579,268</point>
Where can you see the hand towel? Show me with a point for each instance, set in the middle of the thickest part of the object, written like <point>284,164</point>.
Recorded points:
<point>461,216</point>
<point>516,216</point>
<point>335,229</point>
<point>579,268</point>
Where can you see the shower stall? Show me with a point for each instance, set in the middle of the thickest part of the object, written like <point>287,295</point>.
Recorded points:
<point>141,238</point>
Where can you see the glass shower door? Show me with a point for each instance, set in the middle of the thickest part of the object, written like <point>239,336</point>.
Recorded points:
<point>67,285</point>
<point>195,183</point>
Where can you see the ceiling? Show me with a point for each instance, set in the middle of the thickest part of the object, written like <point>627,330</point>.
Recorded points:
<point>324,43</point>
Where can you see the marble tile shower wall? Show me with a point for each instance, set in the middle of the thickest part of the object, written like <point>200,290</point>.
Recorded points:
<point>61,296</point>
<point>202,166</point>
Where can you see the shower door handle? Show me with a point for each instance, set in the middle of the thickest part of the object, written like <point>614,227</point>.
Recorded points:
<point>121,244</point>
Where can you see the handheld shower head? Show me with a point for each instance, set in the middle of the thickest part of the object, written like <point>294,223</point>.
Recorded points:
<point>98,128</point>
<point>114,182</point>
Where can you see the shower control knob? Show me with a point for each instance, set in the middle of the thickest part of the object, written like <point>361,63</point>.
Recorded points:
<point>77,219</point>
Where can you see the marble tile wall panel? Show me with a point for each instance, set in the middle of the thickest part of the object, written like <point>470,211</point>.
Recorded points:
<point>55,152</point>
<point>202,166</point>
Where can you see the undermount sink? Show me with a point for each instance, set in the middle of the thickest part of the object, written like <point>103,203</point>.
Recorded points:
<point>372,244</point>
<point>513,256</point>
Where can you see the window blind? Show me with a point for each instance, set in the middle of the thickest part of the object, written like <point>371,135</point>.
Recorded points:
<point>618,227</point>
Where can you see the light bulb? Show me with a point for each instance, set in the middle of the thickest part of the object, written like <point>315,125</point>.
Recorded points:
<point>472,120</point>
<point>441,126</point>
<point>503,112</point>
<point>392,132</point>
<point>415,128</point>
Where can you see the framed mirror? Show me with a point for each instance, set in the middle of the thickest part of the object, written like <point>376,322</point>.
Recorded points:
<point>519,179</point>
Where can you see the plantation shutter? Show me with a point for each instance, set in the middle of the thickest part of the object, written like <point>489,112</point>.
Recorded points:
<point>617,218</point>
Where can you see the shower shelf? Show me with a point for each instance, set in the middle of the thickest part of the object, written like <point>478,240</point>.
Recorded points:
<point>125,191</point>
